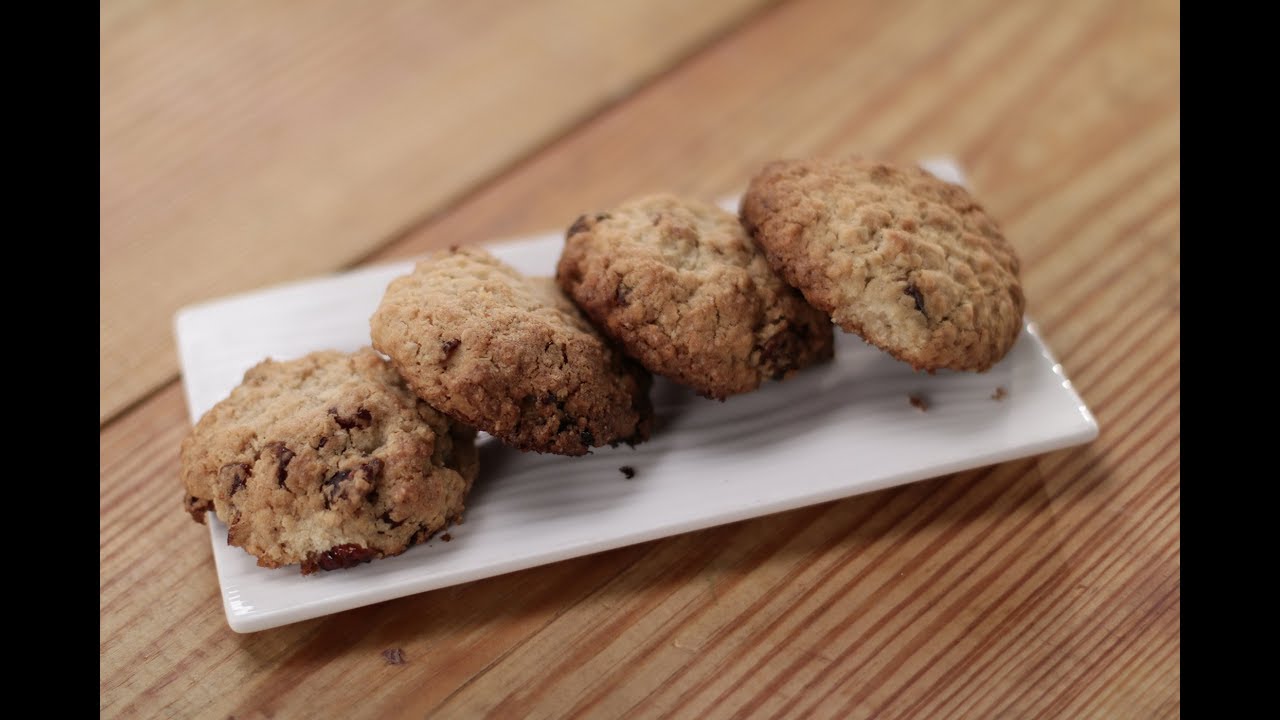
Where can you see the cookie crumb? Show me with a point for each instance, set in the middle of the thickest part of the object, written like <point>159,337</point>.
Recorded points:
<point>394,656</point>
<point>999,394</point>
<point>627,471</point>
<point>918,403</point>
<point>446,537</point>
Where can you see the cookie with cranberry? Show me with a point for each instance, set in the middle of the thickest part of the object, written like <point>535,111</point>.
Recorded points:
<point>327,461</point>
<point>909,262</point>
<point>510,355</point>
<point>681,287</point>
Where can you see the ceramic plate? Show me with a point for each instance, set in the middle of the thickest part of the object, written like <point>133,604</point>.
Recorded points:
<point>829,432</point>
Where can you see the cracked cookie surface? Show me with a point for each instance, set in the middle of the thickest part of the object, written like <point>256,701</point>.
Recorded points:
<point>510,355</point>
<point>907,261</point>
<point>681,287</point>
<point>327,461</point>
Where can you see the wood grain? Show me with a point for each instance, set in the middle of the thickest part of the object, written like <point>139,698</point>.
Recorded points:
<point>1046,587</point>
<point>246,143</point>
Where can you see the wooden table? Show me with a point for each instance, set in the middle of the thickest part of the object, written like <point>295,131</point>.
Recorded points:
<point>246,143</point>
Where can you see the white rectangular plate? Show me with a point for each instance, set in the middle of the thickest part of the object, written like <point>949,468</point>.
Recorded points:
<point>785,446</point>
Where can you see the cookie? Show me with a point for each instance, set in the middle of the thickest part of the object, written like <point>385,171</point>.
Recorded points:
<point>682,288</point>
<point>510,355</point>
<point>327,461</point>
<point>909,262</point>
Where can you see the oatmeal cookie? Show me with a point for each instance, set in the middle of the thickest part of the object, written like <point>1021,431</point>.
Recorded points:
<point>909,262</point>
<point>510,355</point>
<point>327,461</point>
<point>682,288</point>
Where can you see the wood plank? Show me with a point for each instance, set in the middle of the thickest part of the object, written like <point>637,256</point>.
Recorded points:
<point>1043,586</point>
<point>246,143</point>
<point>770,114</point>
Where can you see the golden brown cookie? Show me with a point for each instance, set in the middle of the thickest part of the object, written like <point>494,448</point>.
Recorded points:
<point>327,461</point>
<point>510,355</point>
<point>909,262</point>
<point>681,287</point>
